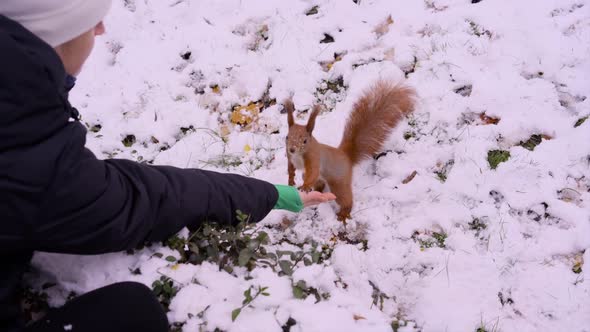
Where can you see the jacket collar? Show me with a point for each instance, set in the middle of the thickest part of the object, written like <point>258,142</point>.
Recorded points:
<point>70,82</point>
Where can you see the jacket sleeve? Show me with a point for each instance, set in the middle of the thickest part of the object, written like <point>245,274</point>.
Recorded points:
<point>98,206</point>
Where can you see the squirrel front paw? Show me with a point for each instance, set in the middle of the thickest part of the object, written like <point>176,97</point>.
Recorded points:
<point>343,214</point>
<point>292,182</point>
<point>305,187</point>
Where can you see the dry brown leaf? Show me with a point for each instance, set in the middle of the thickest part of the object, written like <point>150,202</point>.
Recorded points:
<point>358,317</point>
<point>285,223</point>
<point>389,54</point>
<point>224,130</point>
<point>579,258</point>
<point>383,27</point>
<point>488,119</point>
<point>410,177</point>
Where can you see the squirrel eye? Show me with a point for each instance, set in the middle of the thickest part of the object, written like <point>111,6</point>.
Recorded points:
<point>305,141</point>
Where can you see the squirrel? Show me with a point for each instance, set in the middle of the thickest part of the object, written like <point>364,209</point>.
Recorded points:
<point>379,110</point>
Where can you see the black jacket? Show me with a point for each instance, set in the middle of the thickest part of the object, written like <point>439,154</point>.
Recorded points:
<point>56,196</point>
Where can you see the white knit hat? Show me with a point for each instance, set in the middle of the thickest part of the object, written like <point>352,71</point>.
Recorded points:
<point>56,21</point>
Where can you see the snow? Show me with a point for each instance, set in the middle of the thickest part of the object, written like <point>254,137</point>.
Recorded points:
<point>524,62</point>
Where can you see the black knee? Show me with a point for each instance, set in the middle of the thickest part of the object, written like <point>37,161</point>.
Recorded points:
<point>140,302</point>
<point>124,306</point>
<point>128,290</point>
<point>121,307</point>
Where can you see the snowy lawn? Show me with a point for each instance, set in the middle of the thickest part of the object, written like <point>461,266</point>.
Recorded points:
<point>476,216</point>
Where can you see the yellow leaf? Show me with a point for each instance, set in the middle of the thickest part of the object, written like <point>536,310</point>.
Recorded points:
<point>216,89</point>
<point>175,266</point>
<point>247,148</point>
<point>327,65</point>
<point>244,115</point>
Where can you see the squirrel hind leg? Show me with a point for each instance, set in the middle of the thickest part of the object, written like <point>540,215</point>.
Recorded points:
<point>343,192</point>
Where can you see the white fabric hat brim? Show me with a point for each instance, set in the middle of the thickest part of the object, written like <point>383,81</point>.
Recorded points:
<point>57,25</point>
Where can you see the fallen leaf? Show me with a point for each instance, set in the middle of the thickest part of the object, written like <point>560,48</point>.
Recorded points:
<point>569,195</point>
<point>410,177</point>
<point>488,119</point>
<point>285,223</point>
<point>224,130</point>
<point>464,90</point>
<point>532,142</point>
<point>312,11</point>
<point>383,27</point>
<point>389,54</point>
<point>580,121</point>
<point>235,313</point>
<point>244,115</point>
<point>247,148</point>
<point>327,65</point>
<point>495,157</point>
<point>578,263</point>
<point>358,317</point>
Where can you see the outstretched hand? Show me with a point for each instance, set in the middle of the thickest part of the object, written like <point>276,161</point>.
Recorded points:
<point>315,197</point>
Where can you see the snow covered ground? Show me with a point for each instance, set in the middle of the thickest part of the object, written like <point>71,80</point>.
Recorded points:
<point>476,219</point>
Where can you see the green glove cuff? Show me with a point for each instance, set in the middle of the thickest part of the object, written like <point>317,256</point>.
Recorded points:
<point>289,199</point>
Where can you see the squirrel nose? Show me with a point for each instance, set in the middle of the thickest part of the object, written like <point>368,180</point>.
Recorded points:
<point>292,150</point>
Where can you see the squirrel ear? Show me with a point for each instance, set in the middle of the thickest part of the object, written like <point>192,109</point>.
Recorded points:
<point>288,104</point>
<point>311,122</point>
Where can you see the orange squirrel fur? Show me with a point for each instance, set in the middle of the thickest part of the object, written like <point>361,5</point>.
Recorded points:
<point>378,111</point>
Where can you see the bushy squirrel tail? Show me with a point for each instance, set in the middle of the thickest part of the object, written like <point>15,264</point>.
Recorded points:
<point>373,116</point>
